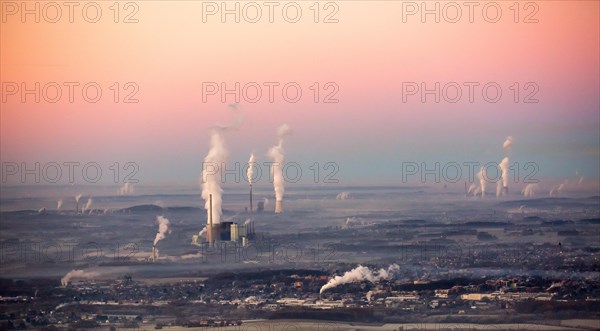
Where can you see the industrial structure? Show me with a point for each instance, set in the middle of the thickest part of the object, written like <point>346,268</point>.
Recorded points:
<point>153,257</point>
<point>225,231</point>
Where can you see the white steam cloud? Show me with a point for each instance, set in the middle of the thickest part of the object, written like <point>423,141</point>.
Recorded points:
<point>211,175</point>
<point>250,172</point>
<point>210,180</point>
<point>482,181</point>
<point>556,190</point>
<point>77,197</point>
<point>529,190</point>
<point>360,274</point>
<point>502,185</point>
<point>88,205</point>
<point>277,155</point>
<point>507,145</point>
<point>504,169</point>
<point>59,204</point>
<point>80,274</point>
<point>126,189</point>
<point>342,196</point>
<point>163,228</point>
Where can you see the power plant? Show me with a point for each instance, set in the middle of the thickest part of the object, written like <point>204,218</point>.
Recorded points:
<point>224,231</point>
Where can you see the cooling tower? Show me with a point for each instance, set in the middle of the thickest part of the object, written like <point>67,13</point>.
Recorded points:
<point>278,206</point>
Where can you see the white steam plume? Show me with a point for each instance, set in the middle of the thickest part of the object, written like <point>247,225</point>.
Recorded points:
<point>126,189</point>
<point>88,205</point>
<point>59,204</point>
<point>473,189</point>
<point>360,274</point>
<point>504,169</point>
<point>77,274</point>
<point>499,188</point>
<point>342,196</point>
<point>211,175</point>
<point>203,232</point>
<point>507,145</point>
<point>77,197</point>
<point>529,190</point>
<point>250,172</point>
<point>556,190</point>
<point>163,228</point>
<point>276,154</point>
<point>482,181</point>
<point>210,180</point>
<point>503,165</point>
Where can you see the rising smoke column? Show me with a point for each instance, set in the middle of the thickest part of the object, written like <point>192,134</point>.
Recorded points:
<point>502,186</point>
<point>251,165</point>
<point>203,232</point>
<point>503,183</point>
<point>211,175</point>
<point>342,196</point>
<point>507,145</point>
<point>88,205</point>
<point>556,190</point>
<point>59,204</point>
<point>126,189</point>
<point>77,274</point>
<point>77,197</point>
<point>250,175</point>
<point>529,190</point>
<point>482,181</point>
<point>276,154</point>
<point>360,274</point>
<point>214,160</point>
<point>163,228</point>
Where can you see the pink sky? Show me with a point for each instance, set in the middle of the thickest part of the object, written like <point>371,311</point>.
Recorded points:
<point>368,54</point>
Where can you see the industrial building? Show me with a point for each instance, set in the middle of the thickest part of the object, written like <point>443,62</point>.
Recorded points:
<point>225,231</point>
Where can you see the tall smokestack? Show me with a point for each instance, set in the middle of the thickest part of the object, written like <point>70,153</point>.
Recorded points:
<point>278,206</point>
<point>154,253</point>
<point>250,197</point>
<point>250,174</point>
<point>209,227</point>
